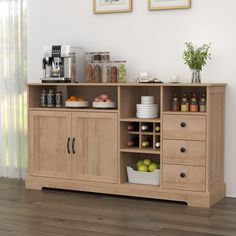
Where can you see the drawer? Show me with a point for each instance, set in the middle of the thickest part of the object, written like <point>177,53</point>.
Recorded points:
<point>184,152</point>
<point>184,127</point>
<point>184,177</point>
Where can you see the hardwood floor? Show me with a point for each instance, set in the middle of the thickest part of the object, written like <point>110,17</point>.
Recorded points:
<point>56,213</point>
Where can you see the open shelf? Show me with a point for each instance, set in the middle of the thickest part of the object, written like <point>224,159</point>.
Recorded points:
<point>182,113</point>
<point>141,150</point>
<point>131,96</point>
<point>134,119</point>
<point>128,159</point>
<point>88,93</point>
<point>138,186</point>
<point>75,109</point>
<point>169,91</point>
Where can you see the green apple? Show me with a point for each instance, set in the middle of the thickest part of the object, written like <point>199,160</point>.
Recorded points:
<point>153,167</point>
<point>139,163</point>
<point>147,162</point>
<point>143,168</point>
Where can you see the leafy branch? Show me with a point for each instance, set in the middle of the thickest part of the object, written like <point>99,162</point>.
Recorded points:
<point>196,57</point>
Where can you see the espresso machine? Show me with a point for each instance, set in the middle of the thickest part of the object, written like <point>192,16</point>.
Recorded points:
<point>63,63</point>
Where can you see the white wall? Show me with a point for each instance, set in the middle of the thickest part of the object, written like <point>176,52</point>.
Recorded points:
<point>149,41</point>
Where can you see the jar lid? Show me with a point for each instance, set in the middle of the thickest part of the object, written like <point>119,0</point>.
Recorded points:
<point>97,57</point>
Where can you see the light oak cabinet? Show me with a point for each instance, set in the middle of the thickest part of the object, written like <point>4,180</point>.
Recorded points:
<point>73,145</point>
<point>48,140</point>
<point>96,151</point>
<point>87,149</point>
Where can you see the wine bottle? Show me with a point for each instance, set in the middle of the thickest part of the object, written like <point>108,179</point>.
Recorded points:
<point>145,127</point>
<point>157,144</point>
<point>133,142</point>
<point>131,127</point>
<point>147,143</point>
<point>157,128</point>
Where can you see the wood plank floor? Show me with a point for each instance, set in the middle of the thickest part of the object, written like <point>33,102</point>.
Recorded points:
<point>56,213</point>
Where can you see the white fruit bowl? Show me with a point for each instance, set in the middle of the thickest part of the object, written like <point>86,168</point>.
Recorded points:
<point>104,105</point>
<point>77,104</point>
<point>138,177</point>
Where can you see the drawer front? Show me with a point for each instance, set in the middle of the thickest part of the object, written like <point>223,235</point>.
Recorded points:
<point>184,127</point>
<point>184,177</point>
<point>184,152</point>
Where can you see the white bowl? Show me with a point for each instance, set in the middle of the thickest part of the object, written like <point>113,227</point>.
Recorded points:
<point>147,116</point>
<point>77,104</point>
<point>104,104</point>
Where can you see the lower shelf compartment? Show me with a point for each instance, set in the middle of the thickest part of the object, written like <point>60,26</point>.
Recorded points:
<point>141,150</point>
<point>130,160</point>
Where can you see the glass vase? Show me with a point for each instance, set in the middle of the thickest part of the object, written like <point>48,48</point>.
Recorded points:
<point>196,76</point>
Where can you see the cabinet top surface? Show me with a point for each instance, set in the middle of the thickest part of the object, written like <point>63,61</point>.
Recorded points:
<point>131,84</point>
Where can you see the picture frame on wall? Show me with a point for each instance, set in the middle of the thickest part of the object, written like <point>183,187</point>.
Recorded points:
<point>154,5</point>
<point>111,6</point>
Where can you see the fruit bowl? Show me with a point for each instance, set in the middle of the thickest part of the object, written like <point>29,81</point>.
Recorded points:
<point>104,104</point>
<point>80,104</point>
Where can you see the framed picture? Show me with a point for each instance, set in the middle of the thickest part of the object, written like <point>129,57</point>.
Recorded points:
<point>111,6</point>
<point>168,4</point>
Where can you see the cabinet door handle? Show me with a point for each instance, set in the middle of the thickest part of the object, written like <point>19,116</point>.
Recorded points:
<point>183,149</point>
<point>183,124</point>
<point>68,145</point>
<point>73,146</point>
<point>182,175</point>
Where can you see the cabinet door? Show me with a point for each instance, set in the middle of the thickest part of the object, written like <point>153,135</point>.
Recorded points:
<point>96,151</point>
<point>48,137</point>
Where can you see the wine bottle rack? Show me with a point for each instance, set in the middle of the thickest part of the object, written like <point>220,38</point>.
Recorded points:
<point>150,135</point>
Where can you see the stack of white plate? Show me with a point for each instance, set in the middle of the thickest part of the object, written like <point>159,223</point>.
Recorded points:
<point>147,108</point>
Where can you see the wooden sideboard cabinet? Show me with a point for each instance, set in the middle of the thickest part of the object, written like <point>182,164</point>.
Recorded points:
<point>86,149</point>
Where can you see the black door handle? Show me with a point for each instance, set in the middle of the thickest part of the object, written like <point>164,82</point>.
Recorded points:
<point>68,145</point>
<point>182,149</point>
<point>183,124</point>
<point>73,146</point>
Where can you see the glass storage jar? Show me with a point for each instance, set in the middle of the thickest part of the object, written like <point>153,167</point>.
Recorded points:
<point>185,103</point>
<point>105,72</point>
<point>122,71</point>
<point>89,67</point>
<point>175,103</point>
<point>97,68</point>
<point>114,72</point>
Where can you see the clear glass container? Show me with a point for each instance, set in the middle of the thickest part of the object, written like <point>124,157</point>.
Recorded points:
<point>175,103</point>
<point>105,72</point>
<point>122,78</point>
<point>194,107</point>
<point>185,103</point>
<point>97,67</point>
<point>114,72</point>
<point>89,67</point>
<point>203,103</point>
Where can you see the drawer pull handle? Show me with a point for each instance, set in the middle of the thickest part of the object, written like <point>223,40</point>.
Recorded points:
<point>182,149</point>
<point>183,124</point>
<point>182,175</point>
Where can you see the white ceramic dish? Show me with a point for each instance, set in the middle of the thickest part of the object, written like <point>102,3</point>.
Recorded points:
<point>147,116</point>
<point>104,104</point>
<point>77,104</point>
<point>146,105</point>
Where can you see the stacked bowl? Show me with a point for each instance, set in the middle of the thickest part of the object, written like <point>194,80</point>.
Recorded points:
<point>147,108</point>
